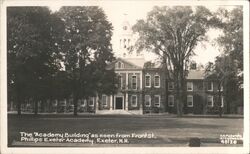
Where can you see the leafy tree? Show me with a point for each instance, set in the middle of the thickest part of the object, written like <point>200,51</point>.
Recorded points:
<point>228,68</point>
<point>224,71</point>
<point>172,33</point>
<point>231,41</point>
<point>31,53</point>
<point>87,48</point>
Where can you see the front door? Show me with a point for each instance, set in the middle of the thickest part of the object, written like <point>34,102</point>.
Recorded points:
<point>118,103</point>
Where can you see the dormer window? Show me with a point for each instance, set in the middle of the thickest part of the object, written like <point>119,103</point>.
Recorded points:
<point>119,65</point>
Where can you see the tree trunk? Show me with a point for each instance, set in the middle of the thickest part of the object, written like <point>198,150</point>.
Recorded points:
<point>36,107</point>
<point>19,102</point>
<point>220,101</point>
<point>75,100</point>
<point>179,94</point>
<point>43,102</point>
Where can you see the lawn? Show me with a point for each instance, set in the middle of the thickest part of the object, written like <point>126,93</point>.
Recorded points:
<point>167,131</point>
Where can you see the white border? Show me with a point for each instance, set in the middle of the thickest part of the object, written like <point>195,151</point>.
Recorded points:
<point>188,105</point>
<point>145,150</point>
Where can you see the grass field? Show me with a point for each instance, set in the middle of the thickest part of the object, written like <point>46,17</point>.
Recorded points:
<point>167,131</point>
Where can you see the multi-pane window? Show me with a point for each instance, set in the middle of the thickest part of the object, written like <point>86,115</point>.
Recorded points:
<point>134,85</point>
<point>157,100</point>
<point>190,100</point>
<point>147,100</point>
<point>170,100</point>
<point>119,81</point>
<point>157,81</point>
<point>210,101</point>
<point>91,101</point>
<point>210,86</point>
<point>189,86</point>
<point>104,100</point>
<point>170,86</point>
<point>134,100</point>
<point>147,81</point>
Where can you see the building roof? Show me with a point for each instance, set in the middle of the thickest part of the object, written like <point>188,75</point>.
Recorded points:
<point>196,74</point>
<point>135,61</point>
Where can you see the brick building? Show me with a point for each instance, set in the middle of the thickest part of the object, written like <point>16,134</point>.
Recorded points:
<point>144,89</point>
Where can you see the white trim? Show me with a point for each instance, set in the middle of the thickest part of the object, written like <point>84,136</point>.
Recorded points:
<point>159,96</point>
<point>192,86</point>
<point>134,105</point>
<point>159,81</point>
<point>221,88</point>
<point>147,75</point>
<point>126,86</point>
<point>117,65</point>
<point>93,100</point>
<point>212,86</point>
<point>105,100</point>
<point>135,82</point>
<point>148,101</point>
<point>120,79</point>
<point>212,101</point>
<point>222,101</point>
<point>169,84</point>
<point>126,101</point>
<point>141,80</point>
<point>170,96</point>
<point>190,96</point>
<point>111,102</point>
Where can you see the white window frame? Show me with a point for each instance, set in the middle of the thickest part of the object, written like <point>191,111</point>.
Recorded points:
<point>146,81</point>
<point>156,104</point>
<point>221,88</point>
<point>120,80</point>
<point>222,101</point>
<point>159,81</point>
<point>172,83</point>
<point>93,100</point>
<point>134,105</point>
<point>212,86</point>
<point>190,96</point>
<point>149,100</point>
<point>170,96</point>
<point>212,101</point>
<point>135,82</point>
<point>106,100</point>
<point>84,102</point>
<point>192,86</point>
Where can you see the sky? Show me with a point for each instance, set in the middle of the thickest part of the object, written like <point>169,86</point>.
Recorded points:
<point>205,51</point>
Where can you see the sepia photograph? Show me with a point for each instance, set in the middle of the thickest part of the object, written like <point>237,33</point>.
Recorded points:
<point>103,76</point>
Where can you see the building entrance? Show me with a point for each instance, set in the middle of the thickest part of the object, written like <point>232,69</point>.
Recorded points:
<point>118,102</point>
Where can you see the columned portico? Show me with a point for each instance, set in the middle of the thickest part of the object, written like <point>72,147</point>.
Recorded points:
<point>126,104</point>
<point>111,102</point>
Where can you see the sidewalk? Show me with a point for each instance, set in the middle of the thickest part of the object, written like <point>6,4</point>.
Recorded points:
<point>69,114</point>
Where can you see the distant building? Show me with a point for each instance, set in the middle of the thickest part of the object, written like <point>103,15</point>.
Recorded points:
<point>144,88</point>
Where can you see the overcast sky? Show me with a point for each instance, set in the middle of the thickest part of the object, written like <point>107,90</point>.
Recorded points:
<point>205,51</point>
